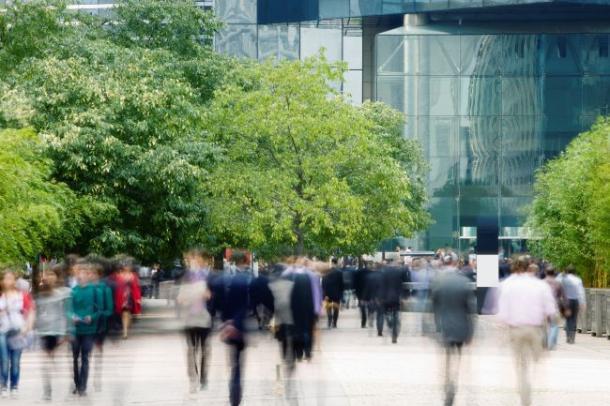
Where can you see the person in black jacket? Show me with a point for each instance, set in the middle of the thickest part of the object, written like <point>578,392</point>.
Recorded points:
<point>332,290</point>
<point>393,277</point>
<point>453,303</point>
<point>360,278</point>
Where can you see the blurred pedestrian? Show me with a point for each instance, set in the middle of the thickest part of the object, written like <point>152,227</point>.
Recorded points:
<point>192,298</point>
<point>562,305</point>
<point>101,267</point>
<point>53,307</point>
<point>525,305</point>
<point>16,321</point>
<point>394,276</point>
<point>281,289</point>
<point>360,278</point>
<point>332,291</point>
<point>305,304</point>
<point>453,304</point>
<point>576,301</point>
<point>127,293</point>
<point>234,310</point>
<point>84,314</point>
<point>155,278</point>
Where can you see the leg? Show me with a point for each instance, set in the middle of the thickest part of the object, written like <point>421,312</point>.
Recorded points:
<point>126,319</point>
<point>98,354</point>
<point>15,361</point>
<point>86,347</point>
<point>204,354</point>
<point>335,314</point>
<point>235,389</point>
<point>191,360</point>
<point>370,308</point>
<point>395,324</point>
<point>363,310</point>
<point>380,319</point>
<point>329,313</point>
<point>3,362</point>
<point>76,350</point>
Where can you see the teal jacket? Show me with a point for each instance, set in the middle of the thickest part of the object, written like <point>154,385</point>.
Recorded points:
<point>104,297</point>
<point>85,302</point>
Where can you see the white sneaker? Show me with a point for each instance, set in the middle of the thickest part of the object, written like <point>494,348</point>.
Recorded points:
<point>14,393</point>
<point>3,393</point>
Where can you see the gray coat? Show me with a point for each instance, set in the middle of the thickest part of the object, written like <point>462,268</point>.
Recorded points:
<point>454,304</point>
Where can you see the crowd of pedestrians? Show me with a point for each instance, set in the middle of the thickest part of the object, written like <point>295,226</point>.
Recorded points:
<point>82,301</point>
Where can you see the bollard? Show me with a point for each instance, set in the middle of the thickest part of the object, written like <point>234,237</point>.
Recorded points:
<point>596,314</point>
<point>608,315</point>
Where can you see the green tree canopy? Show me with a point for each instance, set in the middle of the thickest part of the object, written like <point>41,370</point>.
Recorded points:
<point>33,208</point>
<point>571,208</point>
<point>307,172</point>
<point>121,103</point>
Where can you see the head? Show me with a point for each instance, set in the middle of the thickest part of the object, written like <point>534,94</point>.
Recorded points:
<point>197,259</point>
<point>83,271</point>
<point>520,264</point>
<point>124,265</point>
<point>533,269</point>
<point>9,280</point>
<point>51,278</point>
<point>570,269</point>
<point>550,270</point>
<point>240,259</point>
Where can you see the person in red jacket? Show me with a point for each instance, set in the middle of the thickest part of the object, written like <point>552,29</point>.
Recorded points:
<point>127,293</point>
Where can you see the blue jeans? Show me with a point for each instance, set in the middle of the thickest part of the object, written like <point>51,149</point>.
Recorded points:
<point>552,333</point>
<point>10,361</point>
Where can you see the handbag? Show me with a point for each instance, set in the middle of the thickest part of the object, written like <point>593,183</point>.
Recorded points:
<point>17,341</point>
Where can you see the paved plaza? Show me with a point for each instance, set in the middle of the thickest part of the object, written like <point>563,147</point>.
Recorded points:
<point>351,366</point>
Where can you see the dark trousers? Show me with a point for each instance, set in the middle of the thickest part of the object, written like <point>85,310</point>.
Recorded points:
<point>571,321</point>
<point>453,354</point>
<point>81,349</point>
<point>390,314</point>
<point>303,344</point>
<point>332,312</point>
<point>235,388</point>
<point>364,309</point>
<point>286,337</point>
<point>197,354</point>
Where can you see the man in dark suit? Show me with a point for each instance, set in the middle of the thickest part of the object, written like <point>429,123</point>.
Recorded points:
<point>332,290</point>
<point>234,305</point>
<point>393,277</point>
<point>360,278</point>
<point>453,302</point>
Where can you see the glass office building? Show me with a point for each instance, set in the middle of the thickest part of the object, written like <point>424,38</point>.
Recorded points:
<point>491,89</point>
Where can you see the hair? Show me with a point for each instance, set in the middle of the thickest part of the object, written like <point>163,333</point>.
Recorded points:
<point>58,270</point>
<point>570,269</point>
<point>550,270</point>
<point>334,261</point>
<point>533,268</point>
<point>239,257</point>
<point>520,264</point>
<point>122,262</point>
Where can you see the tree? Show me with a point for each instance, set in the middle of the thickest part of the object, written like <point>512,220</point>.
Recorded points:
<point>33,208</point>
<point>305,171</point>
<point>570,209</point>
<point>121,105</point>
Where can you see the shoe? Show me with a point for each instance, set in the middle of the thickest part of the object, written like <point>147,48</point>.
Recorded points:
<point>203,386</point>
<point>3,393</point>
<point>394,340</point>
<point>14,393</point>
<point>379,334</point>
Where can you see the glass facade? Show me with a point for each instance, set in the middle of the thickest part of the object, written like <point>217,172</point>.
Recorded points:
<point>273,11</point>
<point>489,108</point>
<point>242,37</point>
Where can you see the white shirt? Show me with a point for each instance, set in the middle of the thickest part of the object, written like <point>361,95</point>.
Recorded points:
<point>525,301</point>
